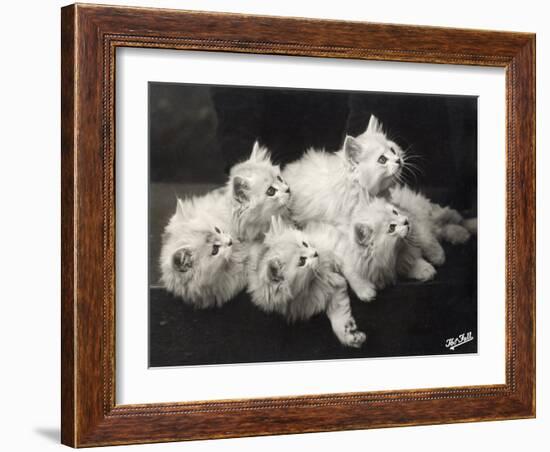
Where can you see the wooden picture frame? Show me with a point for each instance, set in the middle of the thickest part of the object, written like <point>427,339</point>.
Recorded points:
<point>90,36</point>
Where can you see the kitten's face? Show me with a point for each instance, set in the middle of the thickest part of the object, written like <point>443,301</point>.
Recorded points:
<point>261,186</point>
<point>377,161</point>
<point>381,226</point>
<point>258,184</point>
<point>290,257</point>
<point>198,247</point>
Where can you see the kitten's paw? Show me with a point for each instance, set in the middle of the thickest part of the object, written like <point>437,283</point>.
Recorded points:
<point>456,234</point>
<point>355,339</point>
<point>352,337</point>
<point>452,216</point>
<point>422,271</point>
<point>365,293</point>
<point>436,255</point>
<point>448,215</point>
<point>471,225</point>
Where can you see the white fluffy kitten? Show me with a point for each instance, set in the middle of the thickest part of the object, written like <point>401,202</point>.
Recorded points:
<point>257,191</point>
<point>377,245</point>
<point>331,187</point>
<point>298,278</point>
<point>204,244</point>
<point>200,261</point>
<point>442,223</point>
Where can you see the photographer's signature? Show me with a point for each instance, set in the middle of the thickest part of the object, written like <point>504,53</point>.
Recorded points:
<point>453,342</point>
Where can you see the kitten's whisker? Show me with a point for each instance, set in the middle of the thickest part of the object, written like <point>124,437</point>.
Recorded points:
<point>406,177</point>
<point>413,166</point>
<point>398,176</point>
<point>408,154</point>
<point>401,178</point>
<point>413,159</point>
<point>411,172</point>
<point>406,158</point>
<point>412,163</point>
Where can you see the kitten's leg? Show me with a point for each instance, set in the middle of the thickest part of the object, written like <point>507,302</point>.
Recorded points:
<point>454,233</point>
<point>421,270</point>
<point>453,228</point>
<point>410,264</point>
<point>471,225</point>
<point>446,215</point>
<point>342,321</point>
<point>453,218</point>
<point>428,245</point>
<point>433,251</point>
<point>364,290</point>
<point>430,248</point>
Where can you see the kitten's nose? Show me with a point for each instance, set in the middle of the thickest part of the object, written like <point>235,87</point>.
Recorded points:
<point>399,162</point>
<point>230,242</point>
<point>316,254</point>
<point>406,223</point>
<point>287,190</point>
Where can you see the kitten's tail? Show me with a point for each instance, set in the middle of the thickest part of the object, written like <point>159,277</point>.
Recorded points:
<point>470,224</point>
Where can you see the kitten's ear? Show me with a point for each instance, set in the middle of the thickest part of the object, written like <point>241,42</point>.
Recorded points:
<point>180,210</point>
<point>374,125</point>
<point>255,149</point>
<point>258,152</point>
<point>182,260</point>
<point>362,232</point>
<point>275,270</point>
<point>352,149</point>
<point>241,189</point>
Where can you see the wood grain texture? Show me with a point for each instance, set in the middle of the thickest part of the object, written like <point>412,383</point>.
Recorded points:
<point>67,226</point>
<point>90,36</point>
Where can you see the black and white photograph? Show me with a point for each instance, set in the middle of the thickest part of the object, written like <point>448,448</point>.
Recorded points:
<point>299,224</point>
<point>242,226</point>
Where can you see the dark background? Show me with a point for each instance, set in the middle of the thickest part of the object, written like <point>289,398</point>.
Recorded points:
<point>197,132</point>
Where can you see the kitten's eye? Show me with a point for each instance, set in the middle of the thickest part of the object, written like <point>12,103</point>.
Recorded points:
<point>393,150</point>
<point>382,159</point>
<point>279,178</point>
<point>270,191</point>
<point>302,261</point>
<point>395,212</point>
<point>215,249</point>
<point>391,228</point>
<point>305,244</point>
<point>217,229</point>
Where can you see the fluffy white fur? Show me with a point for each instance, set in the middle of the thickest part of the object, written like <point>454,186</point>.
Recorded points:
<point>256,192</point>
<point>200,261</point>
<point>297,277</point>
<point>378,244</point>
<point>242,212</point>
<point>443,223</point>
<point>329,186</point>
